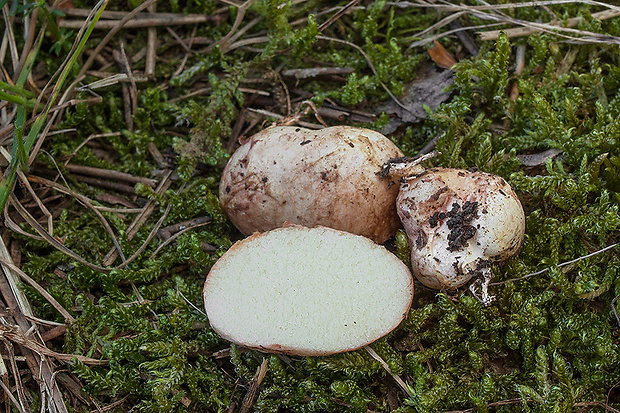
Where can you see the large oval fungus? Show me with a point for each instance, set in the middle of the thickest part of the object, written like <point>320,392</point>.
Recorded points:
<point>324,177</point>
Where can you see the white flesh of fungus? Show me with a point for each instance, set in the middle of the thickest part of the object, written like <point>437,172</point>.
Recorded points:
<point>306,292</point>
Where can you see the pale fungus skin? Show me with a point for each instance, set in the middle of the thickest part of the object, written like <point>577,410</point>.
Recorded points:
<point>312,178</point>
<point>459,223</point>
<point>307,292</point>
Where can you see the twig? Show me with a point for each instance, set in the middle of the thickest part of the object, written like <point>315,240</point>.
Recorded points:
<point>112,405</point>
<point>240,33</point>
<point>53,333</point>
<point>167,232</point>
<point>563,264</point>
<point>142,21</point>
<point>7,391</point>
<point>151,44</point>
<point>115,186</point>
<point>494,404</point>
<point>317,71</point>
<point>464,37</point>
<point>250,396</point>
<point>430,146</point>
<point>241,9</point>
<point>596,403</point>
<point>278,116</point>
<point>117,15</point>
<point>110,174</point>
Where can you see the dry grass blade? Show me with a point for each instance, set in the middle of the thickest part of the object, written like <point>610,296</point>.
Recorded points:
<point>84,201</point>
<point>33,194</point>
<point>85,67</point>
<point>49,238</point>
<point>572,22</point>
<point>16,377</point>
<point>39,365</point>
<point>337,15</point>
<point>14,334</point>
<point>34,140</point>
<point>39,289</point>
<point>403,386</point>
<point>178,234</point>
<point>493,12</point>
<point>137,223</point>
<point>560,265</point>
<point>148,239</point>
<point>372,67</point>
<point>13,280</point>
<point>8,40</point>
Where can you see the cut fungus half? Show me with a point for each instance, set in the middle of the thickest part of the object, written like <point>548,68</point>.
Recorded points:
<point>303,291</point>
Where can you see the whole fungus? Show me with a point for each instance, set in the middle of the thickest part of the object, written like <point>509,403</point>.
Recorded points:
<point>312,178</point>
<point>458,223</point>
<point>307,291</point>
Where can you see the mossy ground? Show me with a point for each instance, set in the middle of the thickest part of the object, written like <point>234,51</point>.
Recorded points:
<point>549,343</point>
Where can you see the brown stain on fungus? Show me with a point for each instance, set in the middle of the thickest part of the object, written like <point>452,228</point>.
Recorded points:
<point>459,224</point>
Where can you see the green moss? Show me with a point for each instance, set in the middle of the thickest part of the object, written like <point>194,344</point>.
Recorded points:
<point>551,338</point>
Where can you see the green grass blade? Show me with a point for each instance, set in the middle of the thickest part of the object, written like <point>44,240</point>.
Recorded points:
<point>21,147</point>
<point>16,90</point>
<point>18,100</point>
<point>40,119</point>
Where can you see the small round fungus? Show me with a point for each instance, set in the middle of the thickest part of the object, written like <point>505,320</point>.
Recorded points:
<point>458,223</point>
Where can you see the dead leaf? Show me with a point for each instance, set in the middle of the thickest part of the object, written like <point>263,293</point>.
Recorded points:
<point>427,91</point>
<point>441,56</point>
<point>537,159</point>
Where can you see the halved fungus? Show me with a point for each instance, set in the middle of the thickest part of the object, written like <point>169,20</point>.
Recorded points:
<point>303,291</point>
